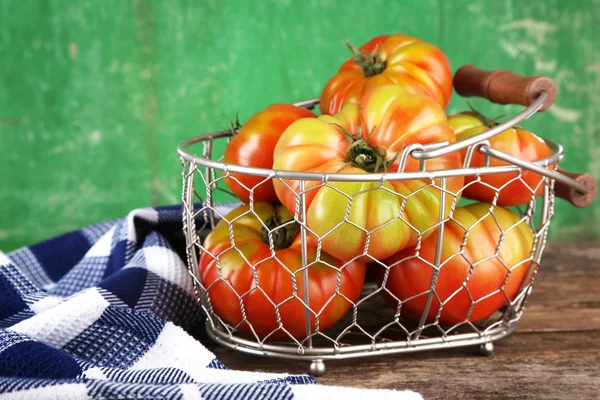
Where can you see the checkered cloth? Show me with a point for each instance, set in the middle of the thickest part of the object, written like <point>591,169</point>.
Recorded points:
<point>104,313</point>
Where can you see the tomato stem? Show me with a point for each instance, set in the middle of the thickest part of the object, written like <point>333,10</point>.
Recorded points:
<point>489,122</point>
<point>234,127</point>
<point>371,63</point>
<point>280,229</point>
<point>364,156</point>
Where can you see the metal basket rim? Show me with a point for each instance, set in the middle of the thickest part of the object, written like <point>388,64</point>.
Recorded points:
<point>428,151</point>
<point>290,351</point>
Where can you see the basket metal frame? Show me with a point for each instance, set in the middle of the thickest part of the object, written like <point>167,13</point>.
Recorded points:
<point>226,335</point>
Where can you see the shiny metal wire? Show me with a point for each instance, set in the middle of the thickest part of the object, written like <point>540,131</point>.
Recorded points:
<point>392,335</point>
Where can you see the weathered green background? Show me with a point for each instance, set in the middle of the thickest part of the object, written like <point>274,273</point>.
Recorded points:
<point>96,95</point>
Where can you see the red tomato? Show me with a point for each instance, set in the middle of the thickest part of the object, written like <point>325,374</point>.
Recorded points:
<point>409,278</point>
<point>263,284</point>
<point>516,142</point>
<point>387,120</point>
<point>253,146</point>
<point>418,66</point>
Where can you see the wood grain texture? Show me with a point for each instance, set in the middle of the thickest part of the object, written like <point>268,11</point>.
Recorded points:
<point>503,86</point>
<point>95,96</point>
<point>555,353</point>
<point>536,38</point>
<point>565,294</point>
<point>540,366</point>
<point>572,195</point>
<point>74,144</point>
<point>242,56</point>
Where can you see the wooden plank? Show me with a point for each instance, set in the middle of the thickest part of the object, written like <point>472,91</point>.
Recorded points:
<point>565,294</point>
<point>536,38</point>
<point>72,120</point>
<point>550,366</point>
<point>95,96</point>
<point>217,58</point>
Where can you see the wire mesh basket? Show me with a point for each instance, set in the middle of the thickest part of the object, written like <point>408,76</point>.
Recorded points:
<point>463,280</point>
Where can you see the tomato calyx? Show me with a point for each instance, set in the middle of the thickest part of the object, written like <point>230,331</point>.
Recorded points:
<point>362,155</point>
<point>371,63</point>
<point>234,127</point>
<point>488,122</point>
<point>280,229</point>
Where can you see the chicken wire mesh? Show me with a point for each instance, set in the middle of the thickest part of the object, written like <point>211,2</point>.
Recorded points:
<point>336,294</point>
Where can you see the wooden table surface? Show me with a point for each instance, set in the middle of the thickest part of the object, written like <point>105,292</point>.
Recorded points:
<point>554,354</point>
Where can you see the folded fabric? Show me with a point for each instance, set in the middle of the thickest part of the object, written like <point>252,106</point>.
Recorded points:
<point>105,313</point>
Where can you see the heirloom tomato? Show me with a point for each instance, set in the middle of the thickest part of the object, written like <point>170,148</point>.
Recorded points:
<point>238,268</point>
<point>376,218</point>
<point>418,66</point>
<point>483,262</point>
<point>516,142</point>
<point>253,146</point>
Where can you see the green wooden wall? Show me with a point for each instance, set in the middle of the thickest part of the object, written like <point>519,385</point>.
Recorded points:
<point>95,95</point>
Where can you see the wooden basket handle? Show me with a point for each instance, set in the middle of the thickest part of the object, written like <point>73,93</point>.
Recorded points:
<point>573,196</point>
<point>503,87</point>
<point>506,87</point>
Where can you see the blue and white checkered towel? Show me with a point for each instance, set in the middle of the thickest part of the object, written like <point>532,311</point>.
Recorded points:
<point>102,313</point>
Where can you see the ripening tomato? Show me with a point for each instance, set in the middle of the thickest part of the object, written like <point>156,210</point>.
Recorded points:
<point>385,216</point>
<point>262,281</point>
<point>410,276</point>
<point>516,142</point>
<point>416,65</point>
<point>253,146</point>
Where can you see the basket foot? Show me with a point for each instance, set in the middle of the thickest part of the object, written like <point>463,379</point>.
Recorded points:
<point>317,368</point>
<point>486,349</point>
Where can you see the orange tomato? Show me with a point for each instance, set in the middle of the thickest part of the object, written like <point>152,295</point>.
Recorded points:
<point>516,142</point>
<point>483,263</point>
<point>253,146</point>
<point>417,66</point>
<point>382,217</point>
<point>253,289</point>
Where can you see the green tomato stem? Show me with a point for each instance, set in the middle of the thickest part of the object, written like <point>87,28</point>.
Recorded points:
<point>371,63</point>
<point>489,122</point>
<point>365,156</point>
<point>283,236</point>
<point>234,127</point>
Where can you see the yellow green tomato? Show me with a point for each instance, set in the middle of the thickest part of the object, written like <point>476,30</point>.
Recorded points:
<point>373,219</point>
